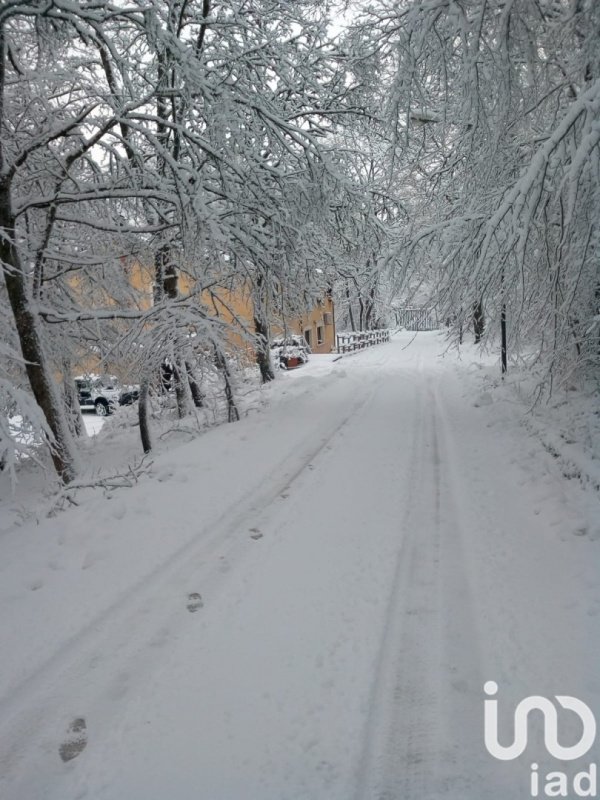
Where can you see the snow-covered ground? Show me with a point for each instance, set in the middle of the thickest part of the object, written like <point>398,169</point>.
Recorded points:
<point>93,424</point>
<point>307,604</point>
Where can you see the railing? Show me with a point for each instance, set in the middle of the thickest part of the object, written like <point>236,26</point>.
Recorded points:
<point>358,340</point>
<point>416,319</point>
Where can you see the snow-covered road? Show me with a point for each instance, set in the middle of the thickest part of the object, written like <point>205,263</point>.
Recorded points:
<point>306,604</point>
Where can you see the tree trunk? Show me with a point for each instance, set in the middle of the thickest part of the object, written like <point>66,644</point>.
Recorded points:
<point>361,314</point>
<point>263,357</point>
<point>503,336</point>
<point>233,414</point>
<point>71,396</point>
<point>181,389</point>
<point>39,371</point>
<point>370,306</point>
<point>261,329</point>
<point>350,314</point>
<point>168,283</point>
<point>143,416</point>
<point>478,321</point>
<point>195,390</point>
<point>503,328</point>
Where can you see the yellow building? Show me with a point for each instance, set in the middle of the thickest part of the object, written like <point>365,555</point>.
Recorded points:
<point>235,306</point>
<point>317,325</point>
<point>232,304</point>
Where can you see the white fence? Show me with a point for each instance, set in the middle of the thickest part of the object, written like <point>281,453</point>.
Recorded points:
<point>416,319</point>
<point>358,340</point>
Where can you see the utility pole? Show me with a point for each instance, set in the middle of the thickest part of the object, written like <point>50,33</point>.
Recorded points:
<point>503,326</point>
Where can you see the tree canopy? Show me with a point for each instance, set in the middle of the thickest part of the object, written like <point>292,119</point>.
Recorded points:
<point>425,143</point>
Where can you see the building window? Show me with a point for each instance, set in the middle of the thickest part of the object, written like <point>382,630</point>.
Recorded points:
<point>320,334</point>
<point>307,336</point>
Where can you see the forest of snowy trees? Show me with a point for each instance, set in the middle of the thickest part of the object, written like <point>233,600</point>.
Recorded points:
<point>377,149</point>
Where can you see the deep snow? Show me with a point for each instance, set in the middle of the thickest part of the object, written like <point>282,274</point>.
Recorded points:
<point>306,604</point>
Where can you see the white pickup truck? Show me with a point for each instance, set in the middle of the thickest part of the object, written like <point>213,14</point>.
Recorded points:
<point>97,395</point>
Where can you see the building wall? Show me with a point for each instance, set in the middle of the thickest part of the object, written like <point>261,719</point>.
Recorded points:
<point>318,326</point>
<point>133,286</point>
<point>235,307</point>
<point>141,280</point>
<point>232,305</point>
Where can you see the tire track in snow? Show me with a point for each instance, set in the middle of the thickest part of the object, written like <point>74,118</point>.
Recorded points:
<point>47,698</point>
<point>407,752</point>
<point>461,677</point>
<point>391,689</point>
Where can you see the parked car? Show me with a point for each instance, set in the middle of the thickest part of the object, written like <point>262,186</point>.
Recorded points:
<point>290,351</point>
<point>129,395</point>
<point>103,395</point>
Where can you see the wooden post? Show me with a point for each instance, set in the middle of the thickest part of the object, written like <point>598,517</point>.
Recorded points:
<point>503,335</point>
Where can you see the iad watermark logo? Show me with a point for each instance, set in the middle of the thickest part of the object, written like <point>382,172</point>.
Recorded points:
<point>554,784</point>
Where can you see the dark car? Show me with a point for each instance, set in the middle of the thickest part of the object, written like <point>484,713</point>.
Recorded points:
<point>129,396</point>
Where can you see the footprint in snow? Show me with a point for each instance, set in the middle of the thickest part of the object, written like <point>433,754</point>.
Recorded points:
<point>164,475</point>
<point>75,741</point>
<point>194,602</point>
<point>255,533</point>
